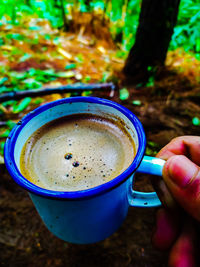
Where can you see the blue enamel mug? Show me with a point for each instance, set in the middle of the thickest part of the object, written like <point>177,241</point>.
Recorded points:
<point>85,216</point>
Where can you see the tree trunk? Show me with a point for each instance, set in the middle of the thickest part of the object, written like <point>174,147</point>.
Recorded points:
<point>156,23</point>
<point>57,3</point>
<point>65,22</point>
<point>87,3</point>
<point>27,2</point>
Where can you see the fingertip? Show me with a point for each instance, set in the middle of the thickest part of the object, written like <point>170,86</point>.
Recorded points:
<point>182,178</point>
<point>180,171</point>
<point>165,154</point>
<point>166,230</point>
<point>182,253</point>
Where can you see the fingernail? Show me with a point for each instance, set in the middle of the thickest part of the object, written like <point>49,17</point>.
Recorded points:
<point>181,170</point>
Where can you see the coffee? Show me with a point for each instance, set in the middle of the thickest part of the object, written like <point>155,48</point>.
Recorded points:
<point>76,152</point>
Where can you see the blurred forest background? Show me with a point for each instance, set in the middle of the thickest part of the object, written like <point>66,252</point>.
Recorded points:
<point>123,16</point>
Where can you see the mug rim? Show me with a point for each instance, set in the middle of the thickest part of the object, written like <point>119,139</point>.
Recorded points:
<point>87,193</point>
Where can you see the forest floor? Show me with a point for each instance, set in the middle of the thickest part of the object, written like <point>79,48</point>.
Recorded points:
<point>36,55</point>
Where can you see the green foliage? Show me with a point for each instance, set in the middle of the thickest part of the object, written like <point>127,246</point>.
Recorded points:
<point>70,66</point>
<point>152,148</point>
<point>187,32</point>
<point>196,121</point>
<point>2,144</point>
<point>5,134</point>
<point>123,94</point>
<point>22,105</point>
<point>124,15</point>
<point>137,102</point>
<point>34,78</point>
<point>10,124</point>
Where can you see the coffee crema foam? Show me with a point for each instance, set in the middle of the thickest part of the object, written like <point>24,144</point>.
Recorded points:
<point>76,152</point>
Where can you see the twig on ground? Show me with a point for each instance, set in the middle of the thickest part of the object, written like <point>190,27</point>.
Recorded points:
<point>1,160</point>
<point>3,123</point>
<point>73,88</point>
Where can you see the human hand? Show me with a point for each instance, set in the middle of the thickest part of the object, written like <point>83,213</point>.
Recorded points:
<point>178,224</point>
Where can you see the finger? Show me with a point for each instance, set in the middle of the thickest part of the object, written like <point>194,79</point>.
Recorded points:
<point>184,145</point>
<point>166,231</point>
<point>182,178</point>
<point>164,194</point>
<point>183,252</point>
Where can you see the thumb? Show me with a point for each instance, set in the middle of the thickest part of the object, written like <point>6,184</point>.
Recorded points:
<point>185,249</point>
<point>182,177</point>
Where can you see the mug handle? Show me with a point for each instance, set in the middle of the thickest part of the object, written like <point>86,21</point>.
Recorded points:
<point>149,165</point>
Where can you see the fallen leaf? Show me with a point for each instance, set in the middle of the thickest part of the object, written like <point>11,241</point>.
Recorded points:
<point>66,74</point>
<point>7,47</point>
<point>5,134</point>
<point>196,121</point>
<point>70,66</point>
<point>123,94</point>
<point>1,160</point>
<point>79,76</point>
<point>2,80</point>
<point>136,102</point>
<point>101,49</point>
<point>64,53</point>
<point>22,105</point>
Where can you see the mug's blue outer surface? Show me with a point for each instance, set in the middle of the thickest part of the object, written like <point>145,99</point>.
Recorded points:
<point>90,215</point>
<point>84,221</point>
